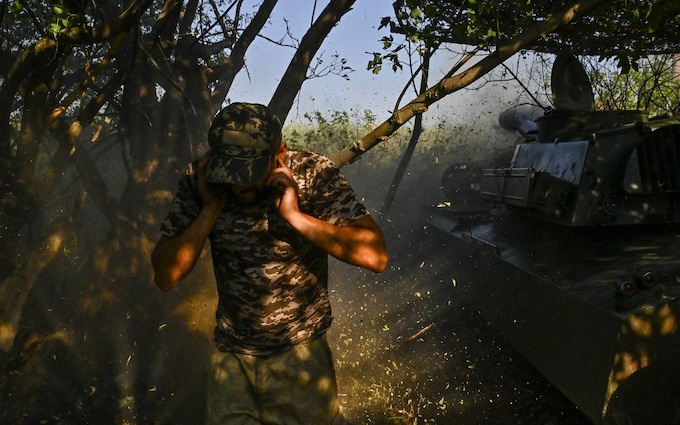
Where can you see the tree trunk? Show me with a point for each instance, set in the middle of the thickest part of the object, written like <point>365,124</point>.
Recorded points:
<point>415,136</point>
<point>296,74</point>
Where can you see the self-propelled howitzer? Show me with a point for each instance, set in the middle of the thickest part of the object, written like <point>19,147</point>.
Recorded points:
<point>577,240</point>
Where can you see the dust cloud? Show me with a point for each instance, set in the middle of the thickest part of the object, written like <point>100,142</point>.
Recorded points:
<point>408,349</point>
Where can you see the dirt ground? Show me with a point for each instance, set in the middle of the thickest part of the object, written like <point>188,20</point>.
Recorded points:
<point>410,350</point>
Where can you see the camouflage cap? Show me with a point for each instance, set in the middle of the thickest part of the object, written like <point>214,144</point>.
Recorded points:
<point>243,138</point>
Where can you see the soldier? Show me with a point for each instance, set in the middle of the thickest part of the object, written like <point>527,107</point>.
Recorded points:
<point>272,216</point>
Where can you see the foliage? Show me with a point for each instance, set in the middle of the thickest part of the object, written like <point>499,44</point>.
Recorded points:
<point>440,145</point>
<point>439,142</point>
<point>328,135</point>
<point>66,14</point>
<point>623,29</point>
<point>653,87</point>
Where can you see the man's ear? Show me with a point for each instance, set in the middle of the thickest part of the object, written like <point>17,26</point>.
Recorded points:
<point>283,148</point>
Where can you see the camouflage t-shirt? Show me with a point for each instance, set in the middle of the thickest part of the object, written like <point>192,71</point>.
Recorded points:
<point>271,282</point>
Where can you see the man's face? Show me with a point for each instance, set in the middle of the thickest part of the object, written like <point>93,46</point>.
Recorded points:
<point>249,194</point>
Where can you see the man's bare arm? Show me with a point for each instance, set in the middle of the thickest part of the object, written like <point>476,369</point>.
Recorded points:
<point>360,243</point>
<point>174,257</point>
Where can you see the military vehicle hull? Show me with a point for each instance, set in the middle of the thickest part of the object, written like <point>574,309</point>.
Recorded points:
<point>555,294</point>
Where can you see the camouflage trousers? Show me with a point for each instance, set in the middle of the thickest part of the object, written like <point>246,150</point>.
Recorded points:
<point>294,387</point>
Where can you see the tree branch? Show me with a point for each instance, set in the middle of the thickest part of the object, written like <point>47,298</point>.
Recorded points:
<point>295,74</point>
<point>236,59</point>
<point>122,23</point>
<point>451,84</point>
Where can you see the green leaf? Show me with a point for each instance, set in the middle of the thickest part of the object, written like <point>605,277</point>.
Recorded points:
<point>16,9</point>
<point>54,29</point>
